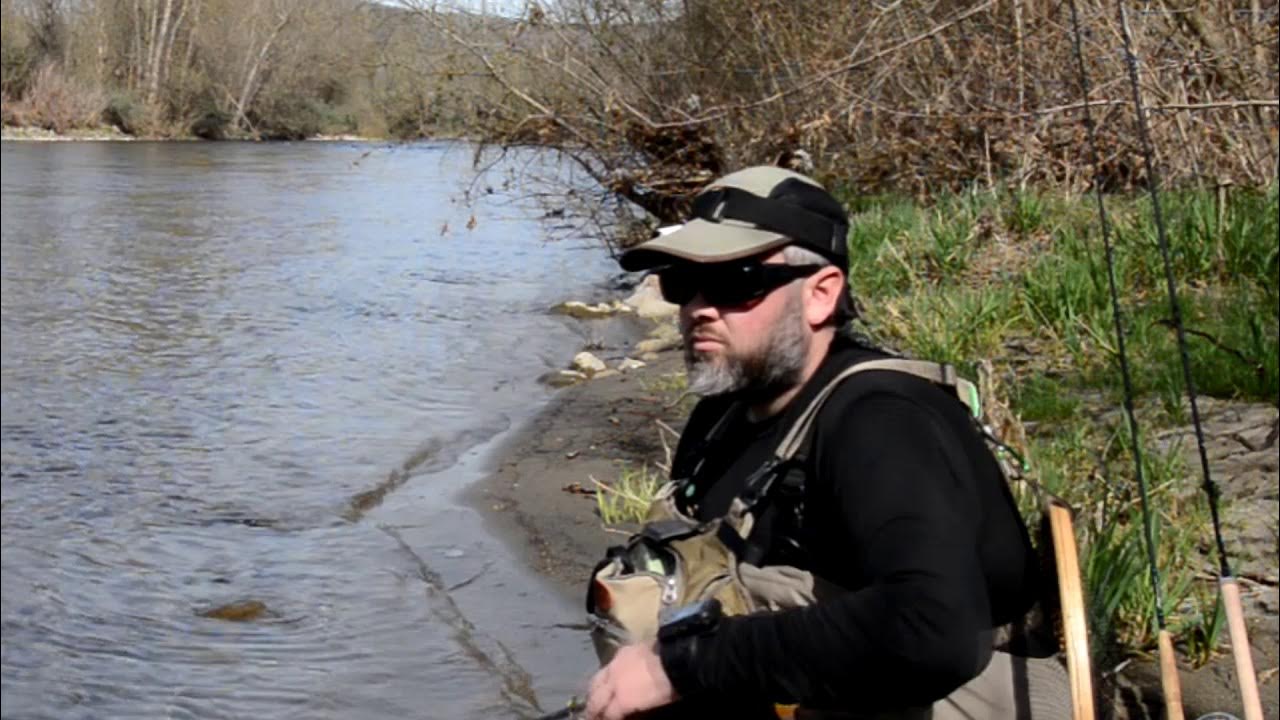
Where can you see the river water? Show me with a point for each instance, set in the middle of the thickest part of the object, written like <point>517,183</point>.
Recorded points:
<point>265,373</point>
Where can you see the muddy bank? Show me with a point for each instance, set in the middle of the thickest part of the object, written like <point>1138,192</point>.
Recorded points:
<point>591,430</point>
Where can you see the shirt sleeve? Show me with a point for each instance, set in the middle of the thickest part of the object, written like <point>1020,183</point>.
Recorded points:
<point>918,627</point>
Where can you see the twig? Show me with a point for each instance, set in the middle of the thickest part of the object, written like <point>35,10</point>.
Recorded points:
<point>717,113</point>
<point>1239,355</point>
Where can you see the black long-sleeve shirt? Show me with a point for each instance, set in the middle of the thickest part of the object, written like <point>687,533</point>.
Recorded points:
<point>905,510</point>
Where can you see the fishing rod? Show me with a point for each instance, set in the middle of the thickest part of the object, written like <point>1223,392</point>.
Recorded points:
<point>1240,649</point>
<point>1169,681</point>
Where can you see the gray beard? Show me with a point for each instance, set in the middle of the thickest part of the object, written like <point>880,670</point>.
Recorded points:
<point>775,368</point>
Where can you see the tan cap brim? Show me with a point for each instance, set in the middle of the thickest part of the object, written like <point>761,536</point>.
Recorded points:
<point>702,241</point>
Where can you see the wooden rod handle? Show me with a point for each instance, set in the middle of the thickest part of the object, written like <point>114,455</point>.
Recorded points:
<point>1169,680</point>
<point>1074,623</point>
<point>1240,649</point>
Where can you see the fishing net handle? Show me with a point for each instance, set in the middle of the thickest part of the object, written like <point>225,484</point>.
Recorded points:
<point>1074,618</point>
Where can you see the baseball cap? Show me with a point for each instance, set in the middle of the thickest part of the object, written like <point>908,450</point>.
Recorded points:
<point>747,213</point>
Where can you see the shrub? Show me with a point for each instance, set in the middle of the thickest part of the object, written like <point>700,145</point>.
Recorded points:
<point>60,103</point>
<point>125,112</point>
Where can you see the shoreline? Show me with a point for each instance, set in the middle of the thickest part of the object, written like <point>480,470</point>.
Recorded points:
<point>537,498</point>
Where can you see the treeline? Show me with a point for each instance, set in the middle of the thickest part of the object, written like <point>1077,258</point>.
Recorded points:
<point>265,69</point>
<point>654,97</point>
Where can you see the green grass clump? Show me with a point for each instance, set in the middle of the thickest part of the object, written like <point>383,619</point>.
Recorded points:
<point>957,279</point>
<point>1090,465</point>
<point>627,499</point>
<point>1020,279</point>
<point>1039,399</point>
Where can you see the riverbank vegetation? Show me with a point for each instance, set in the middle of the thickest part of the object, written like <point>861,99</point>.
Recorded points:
<point>1013,286</point>
<point>214,69</point>
<point>653,98</point>
<point>955,133</point>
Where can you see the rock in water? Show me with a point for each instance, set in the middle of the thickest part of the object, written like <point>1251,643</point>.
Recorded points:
<point>583,311</point>
<point>242,611</point>
<point>588,364</point>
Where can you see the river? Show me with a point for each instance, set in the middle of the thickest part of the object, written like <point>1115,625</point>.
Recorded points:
<point>265,373</point>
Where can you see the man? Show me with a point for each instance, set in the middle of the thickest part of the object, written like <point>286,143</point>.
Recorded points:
<point>902,508</point>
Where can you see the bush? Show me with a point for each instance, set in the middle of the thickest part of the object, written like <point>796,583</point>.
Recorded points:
<point>295,116</point>
<point>59,103</point>
<point>12,112</point>
<point>125,112</point>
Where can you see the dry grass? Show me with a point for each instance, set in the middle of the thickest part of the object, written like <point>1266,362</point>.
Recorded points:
<point>57,102</point>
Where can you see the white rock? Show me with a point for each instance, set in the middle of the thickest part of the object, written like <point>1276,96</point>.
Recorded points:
<point>588,364</point>
<point>562,378</point>
<point>629,364</point>
<point>583,311</point>
<point>663,337</point>
<point>648,303</point>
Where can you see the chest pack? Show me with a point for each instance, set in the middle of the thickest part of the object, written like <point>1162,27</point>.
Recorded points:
<point>676,560</point>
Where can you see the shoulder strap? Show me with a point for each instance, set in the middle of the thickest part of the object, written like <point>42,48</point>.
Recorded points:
<point>938,373</point>
<point>798,435</point>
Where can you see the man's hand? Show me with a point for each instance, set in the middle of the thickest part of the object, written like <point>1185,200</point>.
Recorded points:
<point>632,682</point>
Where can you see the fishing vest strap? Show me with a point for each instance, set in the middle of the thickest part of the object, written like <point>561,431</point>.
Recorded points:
<point>937,373</point>
<point>792,452</point>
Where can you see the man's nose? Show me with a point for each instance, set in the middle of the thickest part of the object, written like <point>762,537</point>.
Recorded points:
<point>698,308</point>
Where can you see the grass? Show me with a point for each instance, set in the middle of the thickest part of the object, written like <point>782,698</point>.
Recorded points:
<point>1021,279</point>
<point>1040,400</point>
<point>627,498</point>
<point>1091,467</point>
<point>956,280</point>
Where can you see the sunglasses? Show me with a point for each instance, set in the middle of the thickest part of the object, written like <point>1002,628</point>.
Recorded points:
<point>725,284</point>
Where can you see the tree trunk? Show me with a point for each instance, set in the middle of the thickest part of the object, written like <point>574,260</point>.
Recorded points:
<point>135,53</point>
<point>250,86</point>
<point>160,32</point>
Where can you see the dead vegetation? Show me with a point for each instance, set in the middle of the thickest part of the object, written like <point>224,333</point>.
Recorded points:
<point>654,98</point>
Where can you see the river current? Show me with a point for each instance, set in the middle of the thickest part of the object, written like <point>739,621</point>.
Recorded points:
<point>263,374</point>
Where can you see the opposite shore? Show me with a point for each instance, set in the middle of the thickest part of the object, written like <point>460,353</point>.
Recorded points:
<point>110,133</point>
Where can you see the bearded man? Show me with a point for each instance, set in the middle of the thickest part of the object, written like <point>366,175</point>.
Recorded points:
<point>902,510</point>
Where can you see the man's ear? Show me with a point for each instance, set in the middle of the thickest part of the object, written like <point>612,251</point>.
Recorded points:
<point>822,293</point>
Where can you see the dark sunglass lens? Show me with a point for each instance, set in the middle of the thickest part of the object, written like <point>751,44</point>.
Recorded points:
<point>727,285</point>
<point>677,285</point>
<point>732,286</point>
